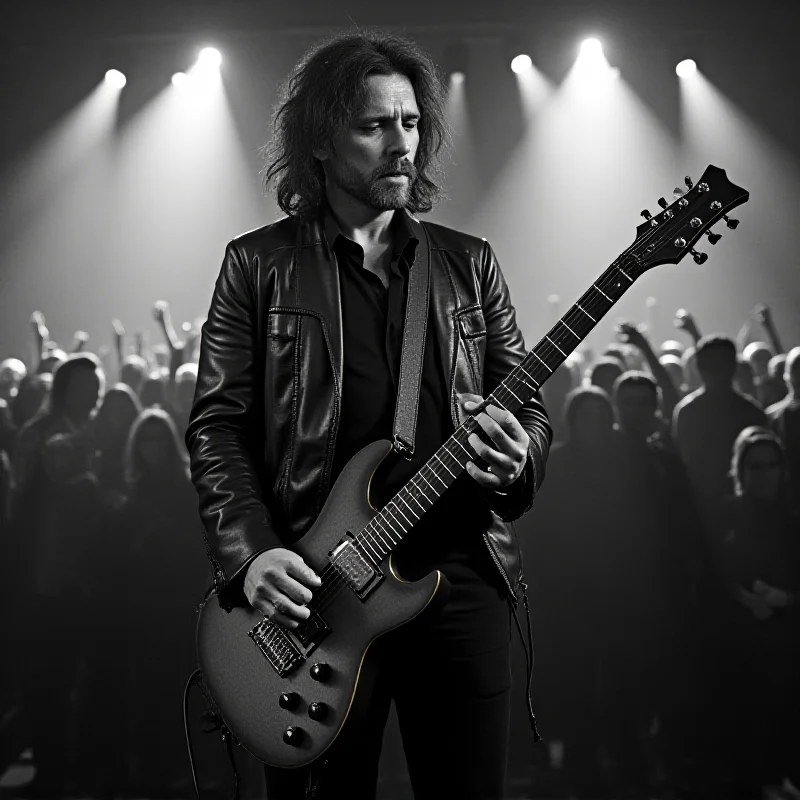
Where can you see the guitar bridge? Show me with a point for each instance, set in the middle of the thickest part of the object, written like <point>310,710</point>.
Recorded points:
<point>357,571</point>
<point>276,644</point>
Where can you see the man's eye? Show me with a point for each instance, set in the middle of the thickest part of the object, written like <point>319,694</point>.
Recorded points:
<point>409,126</point>
<point>370,128</point>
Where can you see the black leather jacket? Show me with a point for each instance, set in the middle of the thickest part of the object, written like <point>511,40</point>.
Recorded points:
<point>263,425</point>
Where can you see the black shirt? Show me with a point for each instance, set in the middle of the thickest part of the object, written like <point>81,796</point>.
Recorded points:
<point>372,317</point>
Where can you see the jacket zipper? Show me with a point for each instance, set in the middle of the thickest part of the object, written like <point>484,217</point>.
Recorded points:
<point>500,569</point>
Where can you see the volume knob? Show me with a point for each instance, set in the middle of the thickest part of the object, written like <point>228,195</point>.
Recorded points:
<point>320,672</point>
<point>293,735</point>
<point>318,711</point>
<point>289,700</point>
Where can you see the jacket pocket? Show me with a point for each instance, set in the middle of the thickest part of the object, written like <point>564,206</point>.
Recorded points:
<point>472,341</point>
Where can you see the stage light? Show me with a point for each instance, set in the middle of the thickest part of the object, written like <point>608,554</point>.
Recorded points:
<point>457,78</point>
<point>521,64</point>
<point>591,48</point>
<point>686,68</point>
<point>180,79</point>
<point>613,73</point>
<point>115,79</point>
<point>209,58</point>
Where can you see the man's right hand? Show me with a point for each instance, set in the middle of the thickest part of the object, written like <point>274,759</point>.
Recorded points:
<point>278,583</point>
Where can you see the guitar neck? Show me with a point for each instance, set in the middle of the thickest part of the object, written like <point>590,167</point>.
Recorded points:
<point>407,507</point>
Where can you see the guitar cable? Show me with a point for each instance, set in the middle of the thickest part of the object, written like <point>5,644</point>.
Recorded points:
<point>213,722</point>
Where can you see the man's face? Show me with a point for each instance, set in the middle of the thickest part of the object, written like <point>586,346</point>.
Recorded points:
<point>372,160</point>
<point>636,407</point>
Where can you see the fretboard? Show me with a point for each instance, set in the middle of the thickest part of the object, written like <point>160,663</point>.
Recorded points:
<point>406,508</point>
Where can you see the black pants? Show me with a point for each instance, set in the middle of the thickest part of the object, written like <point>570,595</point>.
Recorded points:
<point>449,674</point>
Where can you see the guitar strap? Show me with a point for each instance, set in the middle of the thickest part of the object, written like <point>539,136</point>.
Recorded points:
<point>411,358</point>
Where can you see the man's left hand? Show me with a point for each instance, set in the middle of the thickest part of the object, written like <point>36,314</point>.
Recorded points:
<point>505,456</point>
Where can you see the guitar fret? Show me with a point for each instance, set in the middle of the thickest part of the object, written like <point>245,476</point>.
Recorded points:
<point>469,455</point>
<point>411,510</point>
<point>555,345</point>
<point>536,355</point>
<point>444,447</point>
<point>517,398</point>
<point>535,383</point>
<point>444,465</point>
<point>368,542</point>
<point>421,492</point>
<point>429,483</point>
<point>400,511</point>
<point>570,330</point>
<point>625,274</point>
<point>603,293</point>
<point>493,397</point>
<point>581,308</point>
<point>382,540</point>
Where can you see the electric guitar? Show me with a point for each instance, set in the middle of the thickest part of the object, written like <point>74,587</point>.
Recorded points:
<point>287,694</point>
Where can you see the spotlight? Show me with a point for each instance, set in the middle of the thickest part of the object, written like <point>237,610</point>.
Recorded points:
<point>209,57</point>
<point>457,78</point>
<point>521,64</point>
<point>686,68</point>
<point>115,79</point>
<point>591,47</point>
<point>613,73</point>
<point>180,79</point>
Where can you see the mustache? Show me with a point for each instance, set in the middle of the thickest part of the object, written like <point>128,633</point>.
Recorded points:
<point>399,168</point>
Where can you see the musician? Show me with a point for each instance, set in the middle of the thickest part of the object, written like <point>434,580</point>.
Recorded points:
<point>299,370</point>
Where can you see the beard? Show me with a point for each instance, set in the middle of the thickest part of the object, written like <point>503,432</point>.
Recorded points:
<point>374,190</point>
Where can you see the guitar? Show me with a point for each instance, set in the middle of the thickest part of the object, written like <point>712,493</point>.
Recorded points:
<point>287,694</point>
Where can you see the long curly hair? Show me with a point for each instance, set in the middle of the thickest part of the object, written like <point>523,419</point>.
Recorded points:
<point>325,90</point>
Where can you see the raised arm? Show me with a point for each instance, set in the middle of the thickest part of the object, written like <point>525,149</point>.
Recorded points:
<point>685,321</point>
<point>630,333</point>
<point>763,315</point>
<point>226,433</point>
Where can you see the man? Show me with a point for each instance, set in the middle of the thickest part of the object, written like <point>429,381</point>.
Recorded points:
<point>298,371</point>
<point>707,422</point>
<point>785,418</point>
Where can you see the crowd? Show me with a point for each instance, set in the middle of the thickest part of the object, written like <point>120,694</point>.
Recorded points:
<point>661,555</point>
<point>664,557</point>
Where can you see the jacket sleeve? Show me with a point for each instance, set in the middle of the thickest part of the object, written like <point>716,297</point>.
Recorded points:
<point>505,348</point>
<point>226,431</point>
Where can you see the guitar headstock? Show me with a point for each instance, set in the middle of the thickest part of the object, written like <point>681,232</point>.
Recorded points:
<point>670,235</point>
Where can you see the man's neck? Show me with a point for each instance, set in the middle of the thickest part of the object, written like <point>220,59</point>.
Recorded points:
<point>364,225</point>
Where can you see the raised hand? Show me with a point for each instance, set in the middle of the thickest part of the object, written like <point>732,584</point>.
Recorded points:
<point>685,321</point>
<point>161,311</point>
<point>762,314</point>
<point>628,333</point>
<point>79,341</point>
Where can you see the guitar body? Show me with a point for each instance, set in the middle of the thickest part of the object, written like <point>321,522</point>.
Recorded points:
<point>245,685</point>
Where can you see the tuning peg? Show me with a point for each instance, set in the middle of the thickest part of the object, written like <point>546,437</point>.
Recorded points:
<point>662,202</point>
<point>713,237</point>
<point>646,214</point>
<point>678,192</point>
<point>731,223</point>
<point>699,258</point>
<point>688,181</point>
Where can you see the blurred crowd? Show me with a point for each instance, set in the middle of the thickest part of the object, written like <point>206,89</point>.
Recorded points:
<point>661,553</point>
<point>104,561</point>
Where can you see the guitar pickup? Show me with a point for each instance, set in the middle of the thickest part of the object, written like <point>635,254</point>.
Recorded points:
<point>355,569</point>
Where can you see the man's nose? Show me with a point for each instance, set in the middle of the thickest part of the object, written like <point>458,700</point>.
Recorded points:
<point>399,145</point>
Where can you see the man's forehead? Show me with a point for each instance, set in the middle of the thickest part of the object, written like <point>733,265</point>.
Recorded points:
<point>389,95</point>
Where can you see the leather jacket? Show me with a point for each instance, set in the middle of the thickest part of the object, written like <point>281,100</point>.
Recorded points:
<point>263,425</point>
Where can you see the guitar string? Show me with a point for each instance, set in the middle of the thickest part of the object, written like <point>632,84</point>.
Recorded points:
<point>330,576</point>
